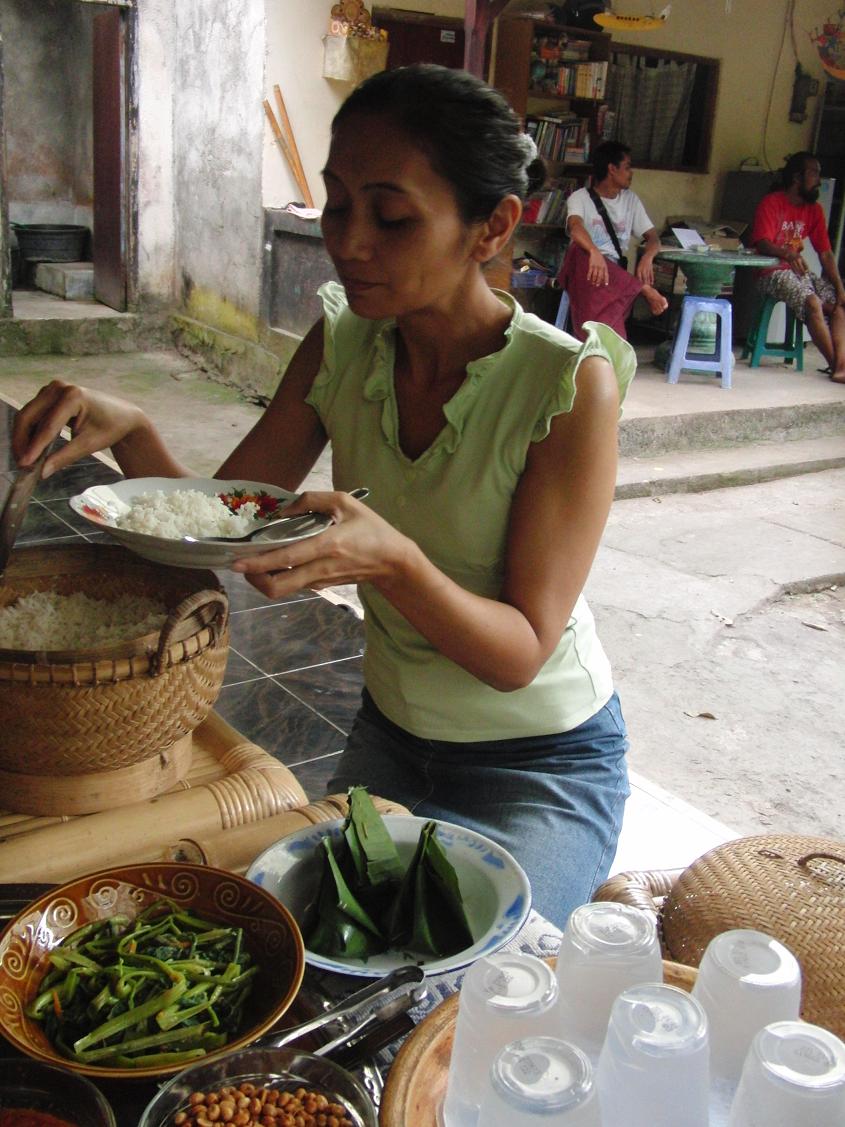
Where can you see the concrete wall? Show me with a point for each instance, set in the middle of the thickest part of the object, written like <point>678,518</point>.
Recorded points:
<point>152,147</point>
<point>47,48</point>
<point>217,145</point>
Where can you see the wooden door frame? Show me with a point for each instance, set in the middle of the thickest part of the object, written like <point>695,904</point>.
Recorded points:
<point>130,163</point>
<point>5,243</point>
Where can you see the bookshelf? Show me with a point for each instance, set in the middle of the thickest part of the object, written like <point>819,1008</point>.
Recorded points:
<point>555,78</point>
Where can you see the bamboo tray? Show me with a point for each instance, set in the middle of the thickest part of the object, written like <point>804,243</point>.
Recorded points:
<point>416,1083</point>
<point>235,801</point>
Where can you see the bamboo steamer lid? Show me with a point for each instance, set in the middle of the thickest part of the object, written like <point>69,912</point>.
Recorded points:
<point>788,886</point>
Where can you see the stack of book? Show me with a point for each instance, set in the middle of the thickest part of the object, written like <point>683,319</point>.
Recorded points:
<point>558,135</point>
<point>584,80</point>
<point>549,207</point>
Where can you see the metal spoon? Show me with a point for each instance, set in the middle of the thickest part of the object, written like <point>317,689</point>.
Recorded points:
<point>298,523</point>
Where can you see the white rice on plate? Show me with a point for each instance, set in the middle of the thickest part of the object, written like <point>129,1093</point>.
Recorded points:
<point>186,512</point>
<point>45,620</point>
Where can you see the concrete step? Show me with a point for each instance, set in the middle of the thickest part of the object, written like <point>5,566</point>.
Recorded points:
<point>699,470</point>
<point>44,324</point>
<point>74,281</point>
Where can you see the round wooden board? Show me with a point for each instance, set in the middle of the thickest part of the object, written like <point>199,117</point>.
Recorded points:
<point>416,1083</point>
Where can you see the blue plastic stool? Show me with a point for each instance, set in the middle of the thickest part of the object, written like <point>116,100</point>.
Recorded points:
<point>562,317</point>
<point>757,343</point>
<point>719,361</point>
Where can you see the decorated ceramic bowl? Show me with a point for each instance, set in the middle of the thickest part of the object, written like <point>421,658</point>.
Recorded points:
<point>495,890</point>
<point>216,896</point>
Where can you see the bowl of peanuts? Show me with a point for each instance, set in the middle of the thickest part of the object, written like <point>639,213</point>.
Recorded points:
<point>262,1088</point>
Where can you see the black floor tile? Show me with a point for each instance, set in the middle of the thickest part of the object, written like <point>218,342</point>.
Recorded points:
<point>332,690</point>
<point>264,713</point>
<point>314,775</point>
<point>243,596</point>
<point>238,669</point>
<point>279,639</point>
<point>40,524</point>
<point>75,479</point>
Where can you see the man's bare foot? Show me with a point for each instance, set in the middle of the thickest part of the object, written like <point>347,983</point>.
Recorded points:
<point>838,376</point>
<point>657,303</point>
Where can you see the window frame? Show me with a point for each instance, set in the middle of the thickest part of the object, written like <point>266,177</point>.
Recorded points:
<point>713,68</point>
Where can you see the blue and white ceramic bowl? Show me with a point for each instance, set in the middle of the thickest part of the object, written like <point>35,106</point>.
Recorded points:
<point>495,890</point>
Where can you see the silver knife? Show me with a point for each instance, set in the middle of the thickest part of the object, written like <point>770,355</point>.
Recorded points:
<point>16,505</point>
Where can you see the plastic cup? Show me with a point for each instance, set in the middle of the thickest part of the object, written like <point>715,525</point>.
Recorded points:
<point>654,1070</point>
<point>794,1074</point>
<point>504,997</point>
<point>746,980</point>
<point>540,1080</point>
<point>605,949</point>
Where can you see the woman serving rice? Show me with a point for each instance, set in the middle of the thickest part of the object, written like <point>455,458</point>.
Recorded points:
<point>488,440</point>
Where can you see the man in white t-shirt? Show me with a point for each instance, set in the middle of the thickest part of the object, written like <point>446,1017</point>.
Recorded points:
<point>599,285</point>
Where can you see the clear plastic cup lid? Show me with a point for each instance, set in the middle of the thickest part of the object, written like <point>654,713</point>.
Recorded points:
<point>753,958</point>
<point>801,1054</point>
<point>515,982</point>
<point>659,1020</point>
<point>542,1075</point>
<point>616,930</point>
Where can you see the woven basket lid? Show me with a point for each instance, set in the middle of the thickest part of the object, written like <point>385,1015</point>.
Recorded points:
<point>790,887</point>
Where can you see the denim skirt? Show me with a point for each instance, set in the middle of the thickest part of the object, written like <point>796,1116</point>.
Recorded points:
<point>555,802</point>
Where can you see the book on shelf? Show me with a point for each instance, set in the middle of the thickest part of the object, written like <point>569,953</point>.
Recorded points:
<point>549,207</point>
<point>554,134</point>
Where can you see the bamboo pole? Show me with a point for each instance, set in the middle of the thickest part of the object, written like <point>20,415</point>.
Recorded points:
<point>300,172</point>
<point>281,140</point>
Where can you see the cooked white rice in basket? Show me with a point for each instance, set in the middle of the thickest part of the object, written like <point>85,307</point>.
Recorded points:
<point>186,512</point>
<point>45,620</point>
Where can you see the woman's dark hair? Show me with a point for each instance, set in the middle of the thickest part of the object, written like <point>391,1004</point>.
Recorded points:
<point>606,154</point>
<point>792,170</point>
<point>466,129</point>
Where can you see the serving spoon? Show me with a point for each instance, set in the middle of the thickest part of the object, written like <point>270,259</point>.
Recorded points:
<point>298,523</point>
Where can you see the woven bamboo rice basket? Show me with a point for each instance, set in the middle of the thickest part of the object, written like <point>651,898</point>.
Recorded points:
<point>116,707</point>
<point>792,888</point>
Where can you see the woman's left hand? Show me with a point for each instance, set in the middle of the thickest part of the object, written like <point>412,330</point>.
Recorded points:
<point>359,547</point>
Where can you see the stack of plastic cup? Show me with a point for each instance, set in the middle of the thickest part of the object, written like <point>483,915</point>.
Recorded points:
<point>540,1080</point>
<point>653,1070</point>
<point>794,1076</point>
<point>605,949</point>
<point>504,998</point>
<point>746,980</point>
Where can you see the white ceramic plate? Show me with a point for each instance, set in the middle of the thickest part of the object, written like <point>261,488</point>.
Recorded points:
<point>102,505</point>
<point>495,890</point>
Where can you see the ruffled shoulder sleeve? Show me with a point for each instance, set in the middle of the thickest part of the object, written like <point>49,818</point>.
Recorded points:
<point>601,341</point>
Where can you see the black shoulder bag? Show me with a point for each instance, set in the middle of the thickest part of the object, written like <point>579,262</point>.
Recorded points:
<point>611,230</point>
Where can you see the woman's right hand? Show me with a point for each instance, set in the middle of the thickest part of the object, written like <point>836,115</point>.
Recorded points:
<point>96,420</point>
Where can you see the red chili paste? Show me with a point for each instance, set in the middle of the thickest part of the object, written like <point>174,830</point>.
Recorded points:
<point>23,1117</point>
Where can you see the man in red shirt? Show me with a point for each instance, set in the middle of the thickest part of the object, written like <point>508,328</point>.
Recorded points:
<point>785,217</point>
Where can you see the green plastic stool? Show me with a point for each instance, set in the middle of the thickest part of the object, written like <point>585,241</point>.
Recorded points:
<point>757,343</point>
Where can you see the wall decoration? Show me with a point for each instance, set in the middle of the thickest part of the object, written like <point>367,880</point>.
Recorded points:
<point>353,20</point>
<point>829,41</point>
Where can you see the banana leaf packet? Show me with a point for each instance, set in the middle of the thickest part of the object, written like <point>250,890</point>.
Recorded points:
<point>367,903</point>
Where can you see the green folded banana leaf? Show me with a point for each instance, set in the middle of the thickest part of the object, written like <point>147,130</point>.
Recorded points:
<point>428,914</point>
<point>373,851</point>
<point>343,926</point>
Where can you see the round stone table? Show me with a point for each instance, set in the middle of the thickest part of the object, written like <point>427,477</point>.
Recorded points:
<point>707,272</point>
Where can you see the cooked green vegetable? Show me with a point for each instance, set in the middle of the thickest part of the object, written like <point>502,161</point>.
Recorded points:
<point>163,988</point>
<point>366,903</point>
